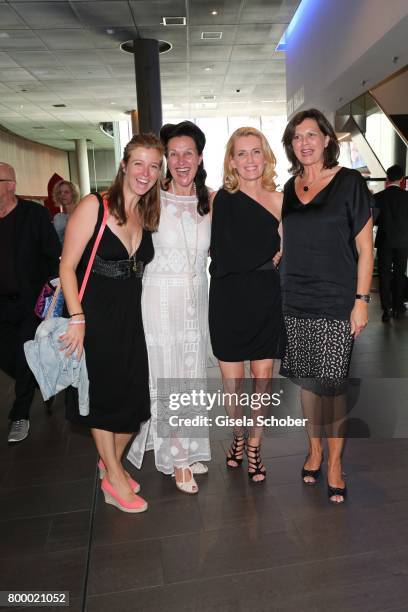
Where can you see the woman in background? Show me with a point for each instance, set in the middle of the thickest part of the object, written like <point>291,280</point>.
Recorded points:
<point>65,195</point>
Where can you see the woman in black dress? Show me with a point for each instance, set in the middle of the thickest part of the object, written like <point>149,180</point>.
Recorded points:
<point>108,323</point>
<point>245,312</point>
<point>326,275</point>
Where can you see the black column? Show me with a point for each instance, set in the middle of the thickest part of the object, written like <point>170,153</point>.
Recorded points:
<point>147,67</point>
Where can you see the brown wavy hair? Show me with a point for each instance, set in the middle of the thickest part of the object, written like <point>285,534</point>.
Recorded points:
<point>149,204</point>
<point>74,191</point>
<point>331,152</point>
<point>231,179</point>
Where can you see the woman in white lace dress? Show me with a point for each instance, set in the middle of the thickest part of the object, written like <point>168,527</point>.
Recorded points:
<point>175,306</point>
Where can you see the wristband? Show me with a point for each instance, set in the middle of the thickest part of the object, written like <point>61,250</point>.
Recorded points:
<point>75,314</point>
<point>365,298</point>
<point>81,322</point>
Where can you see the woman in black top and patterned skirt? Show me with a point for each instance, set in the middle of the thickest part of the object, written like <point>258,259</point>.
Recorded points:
<point>245,312</point>
<point>326,274</point>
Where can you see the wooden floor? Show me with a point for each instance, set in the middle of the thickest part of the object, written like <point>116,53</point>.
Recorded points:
<point>234,547</point>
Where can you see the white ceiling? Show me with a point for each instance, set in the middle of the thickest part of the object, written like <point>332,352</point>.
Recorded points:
<point>61,52</point>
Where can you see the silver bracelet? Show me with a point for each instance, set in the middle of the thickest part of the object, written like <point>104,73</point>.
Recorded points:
<point>81,322</point>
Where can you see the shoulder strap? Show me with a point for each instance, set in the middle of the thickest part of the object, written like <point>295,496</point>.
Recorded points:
<point>96,244</point>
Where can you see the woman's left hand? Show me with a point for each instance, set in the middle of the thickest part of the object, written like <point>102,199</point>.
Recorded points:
<point>358,317</point>
<point>276,258</point>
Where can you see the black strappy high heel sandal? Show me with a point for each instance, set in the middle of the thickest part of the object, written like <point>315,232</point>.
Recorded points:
<point>237,448</point>
<point>311,473</point>
<point>255,463</point>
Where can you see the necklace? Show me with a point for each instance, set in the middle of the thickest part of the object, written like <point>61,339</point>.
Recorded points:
<point>191,262</point>
<point>308,185</point>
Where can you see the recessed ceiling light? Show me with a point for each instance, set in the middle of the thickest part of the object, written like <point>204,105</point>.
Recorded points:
<point>211,35</point>
<point>110,31</point>
<point>214,13</point>
<point>112,102</point>
<point>208,68</point>
<point>174,21</point>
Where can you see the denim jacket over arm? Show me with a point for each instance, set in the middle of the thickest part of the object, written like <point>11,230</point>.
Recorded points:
<point>53,370</point>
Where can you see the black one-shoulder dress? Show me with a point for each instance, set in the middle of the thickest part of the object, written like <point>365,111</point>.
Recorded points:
<point>245,309</point>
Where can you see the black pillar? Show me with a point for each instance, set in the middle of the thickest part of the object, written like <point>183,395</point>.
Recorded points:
<point>147,67</point>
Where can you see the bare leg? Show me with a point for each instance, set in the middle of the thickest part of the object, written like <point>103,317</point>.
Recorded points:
<point>232,376</point>
<point>261,374</point>
<point>336,409</point>
<point>312,411</point>
<point>121,442</point>
<point>105,443</point>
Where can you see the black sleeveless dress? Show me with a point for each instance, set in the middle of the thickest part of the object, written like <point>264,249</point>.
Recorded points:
<point>245,310</point>
<point>115,348</point>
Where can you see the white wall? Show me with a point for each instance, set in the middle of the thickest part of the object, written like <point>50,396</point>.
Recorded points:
<point>333,45</point>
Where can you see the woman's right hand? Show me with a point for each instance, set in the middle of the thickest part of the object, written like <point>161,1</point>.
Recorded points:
<point>73,339</point>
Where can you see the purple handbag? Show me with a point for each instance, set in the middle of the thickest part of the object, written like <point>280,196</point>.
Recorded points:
<point>50,302</point>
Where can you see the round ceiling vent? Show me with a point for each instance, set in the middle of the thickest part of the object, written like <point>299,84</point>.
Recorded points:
<point>164,46</point>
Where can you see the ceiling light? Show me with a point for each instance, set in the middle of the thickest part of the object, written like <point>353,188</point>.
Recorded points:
<point>211,35</point>
<point>112,102</point>
<point>174,21</point>
<point>110,31</point>
<point>208,68</point>
<point>214,13</point>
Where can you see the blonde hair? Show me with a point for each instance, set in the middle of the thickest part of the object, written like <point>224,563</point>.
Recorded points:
<point>231,178</point>
<point>74,191</point>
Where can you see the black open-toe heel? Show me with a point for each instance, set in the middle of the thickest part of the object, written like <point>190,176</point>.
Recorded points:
<point>332,491</point>
<point>255,463</point>
<point>311,473</point>
<point>236,451</point>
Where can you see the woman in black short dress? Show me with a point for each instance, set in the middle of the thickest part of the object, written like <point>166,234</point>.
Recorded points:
<point>326,275</point>
<point>245,311</point>
<point>108,323</point>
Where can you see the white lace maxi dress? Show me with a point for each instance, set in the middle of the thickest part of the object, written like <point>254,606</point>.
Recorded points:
<point>175,318</point>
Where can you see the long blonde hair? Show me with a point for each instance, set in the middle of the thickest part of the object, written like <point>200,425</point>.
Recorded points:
<point>231,178</point>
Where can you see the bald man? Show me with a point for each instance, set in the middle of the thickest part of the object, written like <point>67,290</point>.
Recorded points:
<point>29,256</point>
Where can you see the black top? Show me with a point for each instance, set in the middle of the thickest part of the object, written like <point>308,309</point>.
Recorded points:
<point>36,250</point>
<point>319,264</point>
<point>8,278</point>
<point>242,236</point>
<point>393,218</point>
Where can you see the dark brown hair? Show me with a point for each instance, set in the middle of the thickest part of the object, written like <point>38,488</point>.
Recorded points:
<point>331,152</point>
<point>188,128</point>
<point>149,204</point>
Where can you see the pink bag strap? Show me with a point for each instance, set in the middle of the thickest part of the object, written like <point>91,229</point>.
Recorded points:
<point>95,248</point>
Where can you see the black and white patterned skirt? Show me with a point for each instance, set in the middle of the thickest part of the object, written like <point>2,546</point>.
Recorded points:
<point>318,353</point>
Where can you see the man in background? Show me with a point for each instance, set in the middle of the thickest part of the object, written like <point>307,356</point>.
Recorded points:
<point>29,256</point>
<point>392,243</point>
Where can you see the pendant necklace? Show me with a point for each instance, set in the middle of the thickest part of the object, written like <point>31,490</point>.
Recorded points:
<point>190,264</point>
<point>307,187</point>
